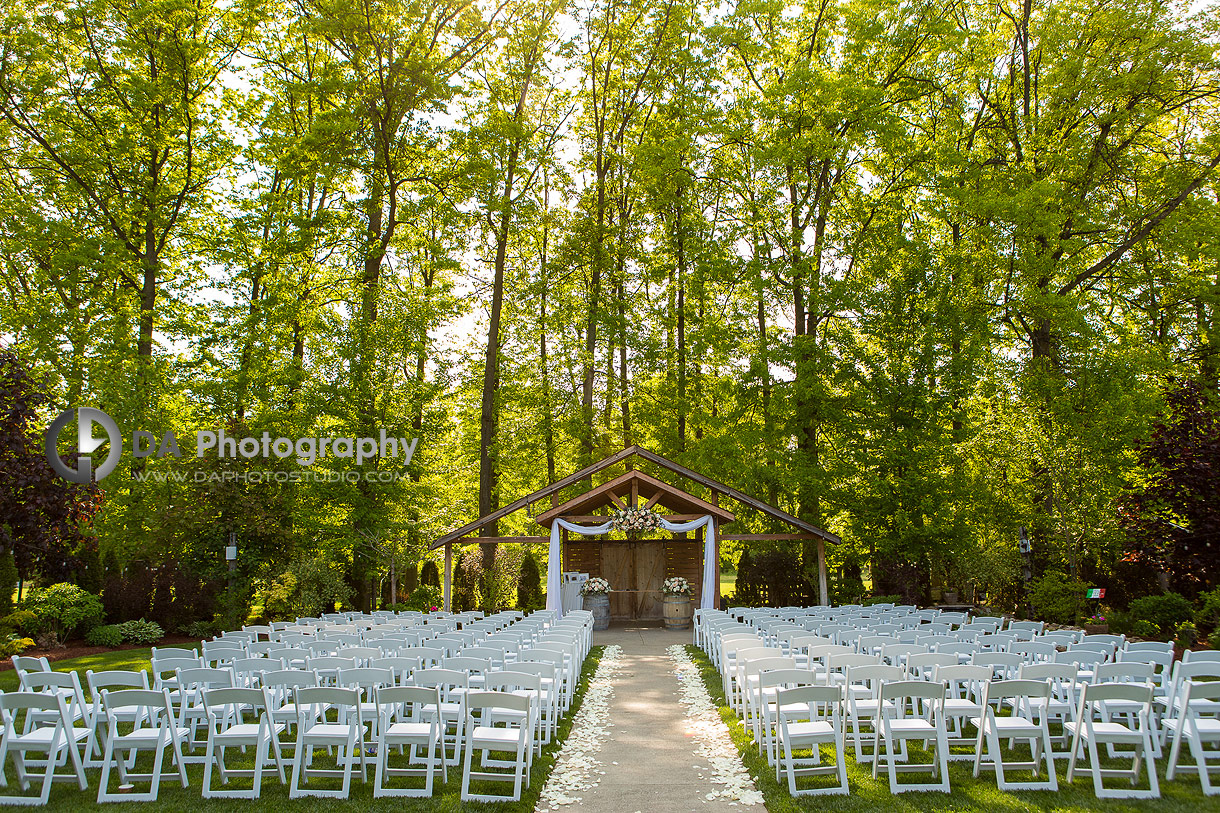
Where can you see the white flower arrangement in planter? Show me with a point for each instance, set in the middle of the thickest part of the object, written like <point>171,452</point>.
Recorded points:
<point>677,586</point>
<point>596,586</point>
<point>634,520</point>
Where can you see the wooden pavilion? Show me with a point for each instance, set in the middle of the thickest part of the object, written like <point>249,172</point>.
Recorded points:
<point>637,567</point>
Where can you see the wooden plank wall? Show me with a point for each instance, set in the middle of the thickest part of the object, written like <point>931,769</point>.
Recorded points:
<point>684,557</point>
<point>582,557</point>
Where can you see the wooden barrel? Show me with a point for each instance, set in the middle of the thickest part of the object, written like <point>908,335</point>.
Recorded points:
<point>599,605</point>
<point>677,612</point>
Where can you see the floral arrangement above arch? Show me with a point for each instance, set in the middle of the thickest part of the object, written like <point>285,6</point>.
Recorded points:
<point>634,520</point>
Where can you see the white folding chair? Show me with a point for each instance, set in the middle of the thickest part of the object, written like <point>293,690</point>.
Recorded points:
<point>866,707</point>
<point>227,710</point>
<point>963,703</point>
<point>52,734</point>
<point>453,686</point>
<point>1197,723</point>
<point>404,724</point>
<point>809,716</point>
<point>1020,696</point>
<point>157,731</point>
<point>1093,727</point>
<point>895,725</point>
<point>496,723</point>
<point>315,731</point>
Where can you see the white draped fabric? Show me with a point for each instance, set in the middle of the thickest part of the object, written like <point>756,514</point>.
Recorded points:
<point>555,565</point>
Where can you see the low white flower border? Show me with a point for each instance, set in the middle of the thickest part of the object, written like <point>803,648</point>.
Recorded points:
<point>575,768</point>
<point>715,744</point>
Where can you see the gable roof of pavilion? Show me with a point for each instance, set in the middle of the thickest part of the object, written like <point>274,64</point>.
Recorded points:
<point>600,496</point>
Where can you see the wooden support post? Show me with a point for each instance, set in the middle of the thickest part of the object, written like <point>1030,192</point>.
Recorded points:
<point>448,577</point>
<point>823,592</point>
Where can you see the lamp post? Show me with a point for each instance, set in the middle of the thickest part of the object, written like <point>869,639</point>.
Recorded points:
<point>1027,570</point>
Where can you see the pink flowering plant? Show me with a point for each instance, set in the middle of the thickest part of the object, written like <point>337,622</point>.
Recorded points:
<point>634,520</point>
<point>596,586</point>
<point>677,586</point>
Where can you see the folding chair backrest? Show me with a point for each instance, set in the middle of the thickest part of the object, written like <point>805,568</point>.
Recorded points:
<point>443,679</point>
<point>29,663</point>
<point>495,655</point>
<point>1124,672</point>
<point>1201,656</point>
<point>366,678</point>
<point>112,679</point>
<point>491,701</point>
<point>174,652</point>
<point>509,681</point>
<point>331,662</point>
<point>851,660</point>
<point>1062,676</point>
<point>874,675</point>
<point>912,689</point>
<point>150,701</point>
<point>1001,662</point>
<point>810,695</point>
<point>406,699</point>
<point>429,656</point>
<point>1016,689</point>
<point>64,684</point>
<point>787,678</point>
<point>237,699</point>
<point>1032,650</point>
<point>163,668</point>
<point>362,654</point>
<point>963,680</point>
<point>324,696</point>
<point>1103,692</point>
<point>471,666</point>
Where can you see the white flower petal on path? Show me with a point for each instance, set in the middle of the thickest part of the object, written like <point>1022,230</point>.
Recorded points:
<point>715,744</point>
<point>576,769</point>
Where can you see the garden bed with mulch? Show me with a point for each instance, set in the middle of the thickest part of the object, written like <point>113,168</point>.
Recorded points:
<point>79,649</point>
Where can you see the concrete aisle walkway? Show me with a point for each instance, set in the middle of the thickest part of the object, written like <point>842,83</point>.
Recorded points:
<point>650,759</point>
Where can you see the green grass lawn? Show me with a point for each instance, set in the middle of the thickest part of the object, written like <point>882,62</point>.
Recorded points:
<point>969,794</point>
<point>728,583</point>
<point>66,797</point>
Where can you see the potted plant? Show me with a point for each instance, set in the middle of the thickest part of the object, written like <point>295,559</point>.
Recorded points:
<point>677,604</point>
<point>1096,624</point>
<point>596,593</point>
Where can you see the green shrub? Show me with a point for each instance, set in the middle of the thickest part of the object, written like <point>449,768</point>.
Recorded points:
<point>430,574</point>
<point>422,599</point>
<point>200,629</point>
<point>12,644</point>
<point>20,621</point>
<point>1056,598</point>
<point>1144,629</point>
<point>1186,635</point>
<point>141,632</point>
<point>529,585</point>
<point>64,609</point>
<point>881,600</point>
<point>104,635</point>
<point>1208,616</point>
<point>1166,611</point>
